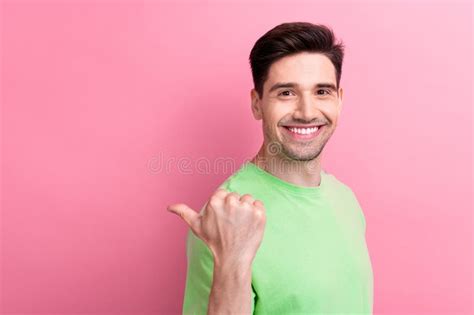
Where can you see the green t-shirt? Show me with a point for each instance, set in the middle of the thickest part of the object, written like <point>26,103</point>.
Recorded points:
<point>313,258</point>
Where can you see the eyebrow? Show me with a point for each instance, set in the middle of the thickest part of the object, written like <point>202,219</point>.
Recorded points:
<point>292,85</point>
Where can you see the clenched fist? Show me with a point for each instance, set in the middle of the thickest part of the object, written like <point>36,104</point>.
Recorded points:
<point>231,225</point>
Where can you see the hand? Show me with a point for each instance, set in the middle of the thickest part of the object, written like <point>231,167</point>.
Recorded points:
<point>231,225</point>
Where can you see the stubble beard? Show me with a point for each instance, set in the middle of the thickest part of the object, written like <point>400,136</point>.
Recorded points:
<point>296,152</point>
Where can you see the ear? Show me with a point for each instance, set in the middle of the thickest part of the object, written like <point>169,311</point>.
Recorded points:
<point>255,105</point>
<point>340,94</point>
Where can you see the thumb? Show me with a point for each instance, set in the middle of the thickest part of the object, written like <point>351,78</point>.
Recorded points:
<point>186,213</point>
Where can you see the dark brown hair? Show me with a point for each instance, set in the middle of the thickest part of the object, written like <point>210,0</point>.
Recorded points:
<point>289,39</point>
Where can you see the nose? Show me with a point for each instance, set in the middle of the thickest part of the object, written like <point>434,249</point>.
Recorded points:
<point>306,109</point>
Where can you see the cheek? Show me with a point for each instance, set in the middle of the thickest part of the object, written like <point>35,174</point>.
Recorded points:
<point>270,124</point>
<point>274,113</point>
<point>334,115</point>
<point>330,110</point>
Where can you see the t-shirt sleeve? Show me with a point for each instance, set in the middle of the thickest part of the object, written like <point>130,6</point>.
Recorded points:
<point>200,268</point>
<point>359,210</point>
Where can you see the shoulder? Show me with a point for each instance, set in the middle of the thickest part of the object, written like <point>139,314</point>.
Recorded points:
<point>243,181</point>
<point>336,184</point>
<point>343,193</point>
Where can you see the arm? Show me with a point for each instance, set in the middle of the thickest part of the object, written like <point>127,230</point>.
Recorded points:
<point>231,291</point>
<point>203,277</point>
<point>224,238</point>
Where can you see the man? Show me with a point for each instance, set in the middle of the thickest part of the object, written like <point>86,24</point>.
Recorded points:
<point>282,235</point>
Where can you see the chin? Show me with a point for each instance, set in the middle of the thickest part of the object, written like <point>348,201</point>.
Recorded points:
<point>296,155</point>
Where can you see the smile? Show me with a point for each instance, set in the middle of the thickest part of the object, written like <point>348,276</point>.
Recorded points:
<point>303,131</point>
<point>300,133</point>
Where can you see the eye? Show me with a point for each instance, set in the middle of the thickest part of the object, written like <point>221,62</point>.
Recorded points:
<point>281,93</point>
<point>326,92</point>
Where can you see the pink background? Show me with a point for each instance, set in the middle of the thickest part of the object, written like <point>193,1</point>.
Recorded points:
<point>96,93</point>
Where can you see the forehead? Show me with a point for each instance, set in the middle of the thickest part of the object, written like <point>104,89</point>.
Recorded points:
<point>305,68</point>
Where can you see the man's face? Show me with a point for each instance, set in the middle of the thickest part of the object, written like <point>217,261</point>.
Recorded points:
<point>300,105</point>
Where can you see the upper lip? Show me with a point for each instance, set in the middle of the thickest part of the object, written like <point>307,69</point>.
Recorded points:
<point>303,126</point>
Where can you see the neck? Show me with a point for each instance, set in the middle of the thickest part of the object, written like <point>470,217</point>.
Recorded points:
<point>301,173</point>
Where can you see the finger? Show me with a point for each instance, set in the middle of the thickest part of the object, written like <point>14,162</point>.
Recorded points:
<point>257,203</point>
<point>221,193</point>
<point>247,198</point>
<point>217,199</point>
<point>186,213</point>
<point>232,197</point>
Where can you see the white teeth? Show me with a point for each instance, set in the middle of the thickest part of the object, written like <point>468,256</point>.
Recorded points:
<point>304,131</point>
